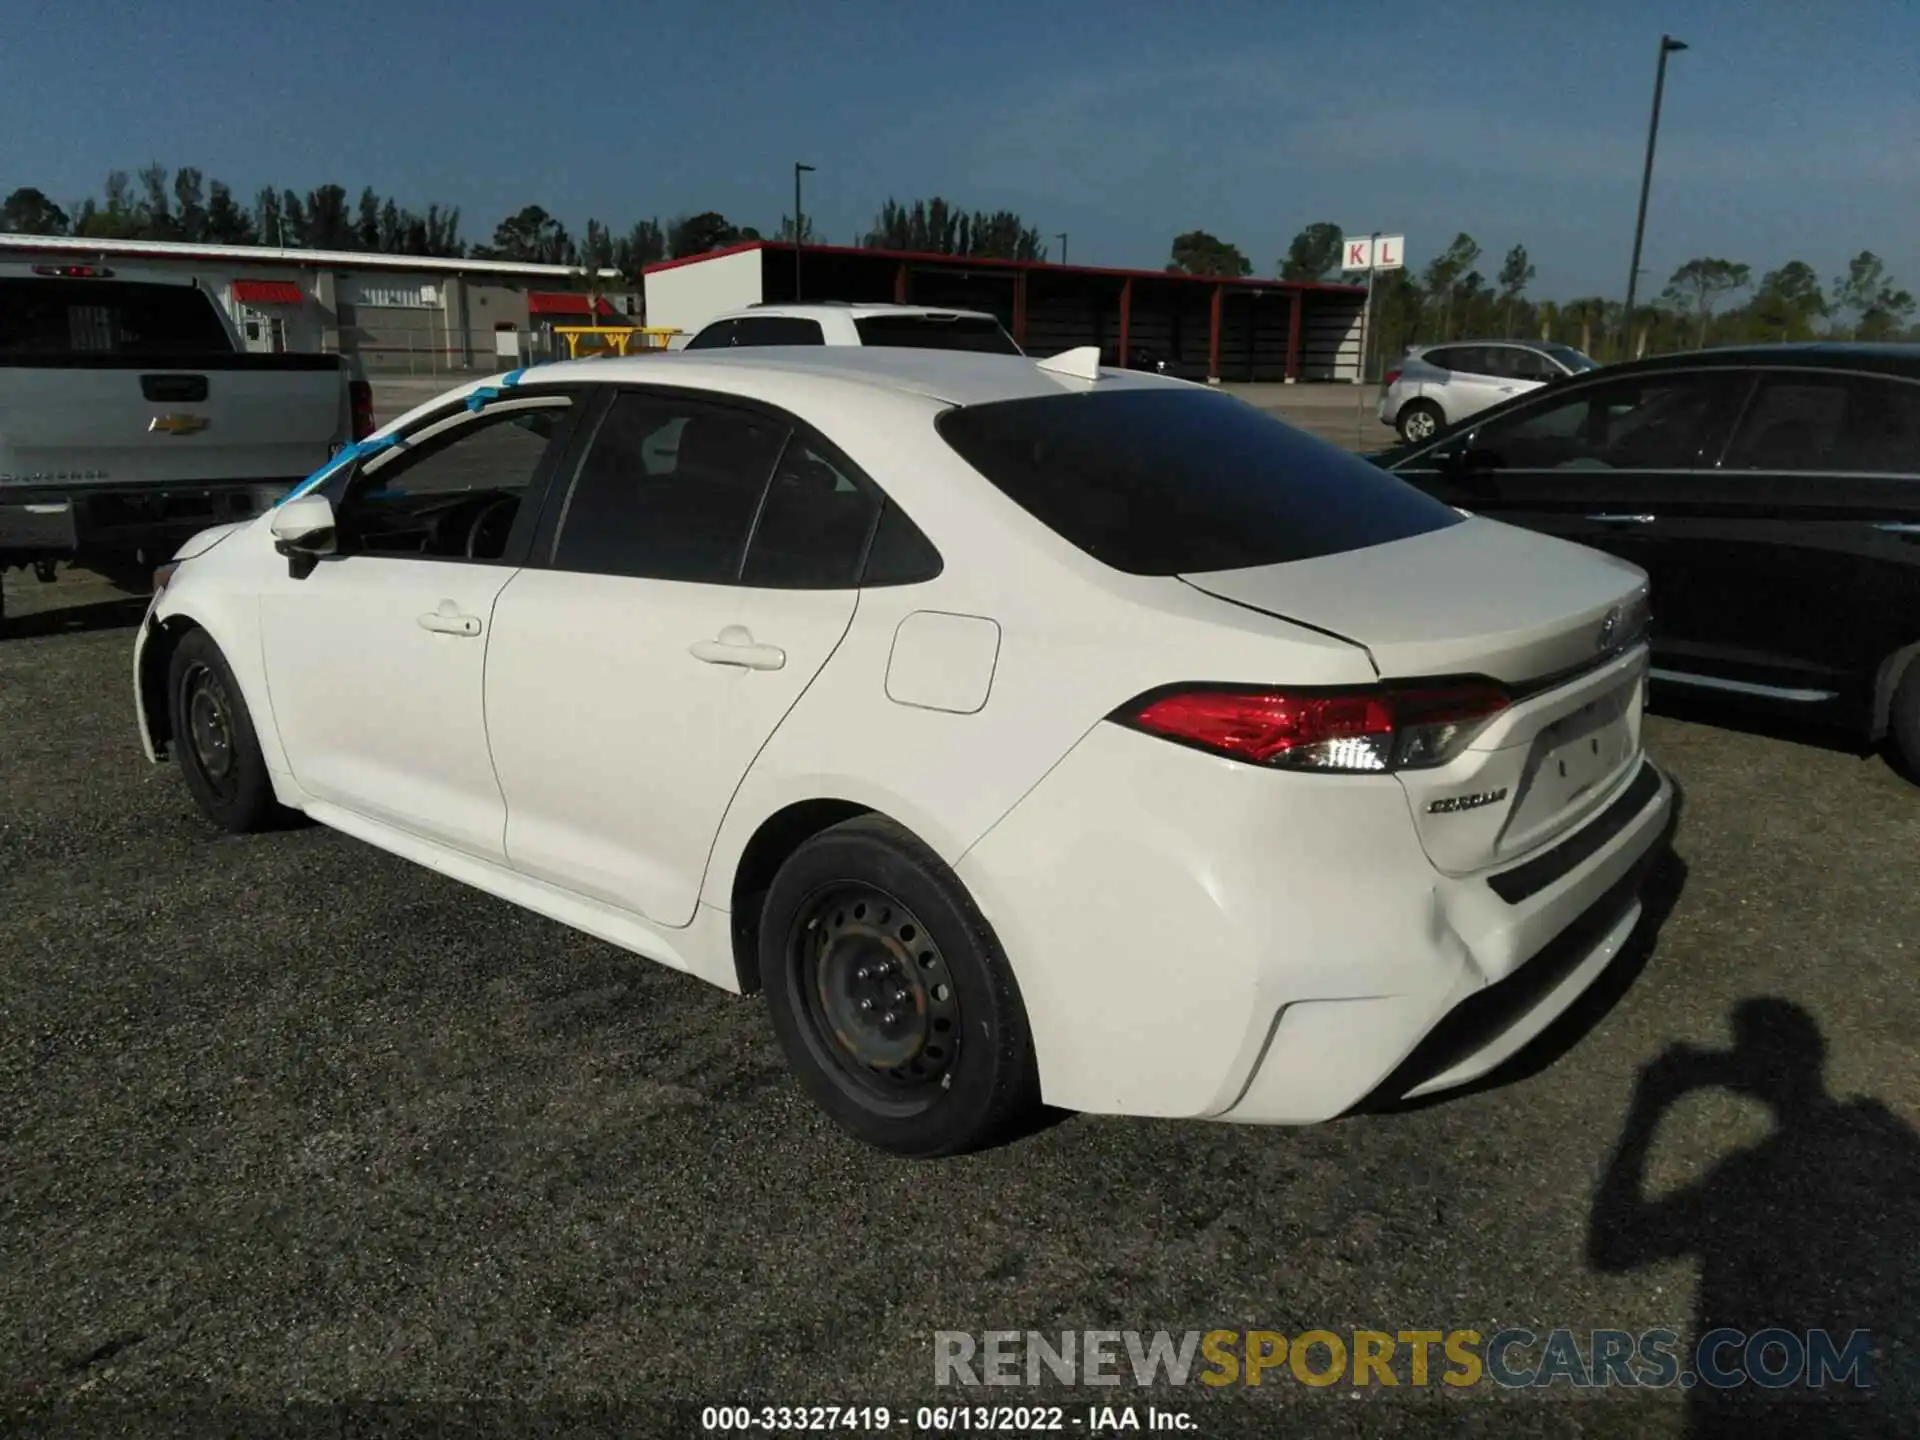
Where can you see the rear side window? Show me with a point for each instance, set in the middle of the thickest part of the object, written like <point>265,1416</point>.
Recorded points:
<point>1170,482</point>
<point>777,330</point>
<point>108,317</point>
<point>1846,423</point>
<point>934,332</point>
<point>716,336</point>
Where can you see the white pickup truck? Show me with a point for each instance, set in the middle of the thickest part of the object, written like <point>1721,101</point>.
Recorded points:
<point>131,418</point>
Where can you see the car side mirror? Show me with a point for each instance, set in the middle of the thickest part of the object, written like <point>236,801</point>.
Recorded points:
<point>303,530</point>
<point>1470,464</point>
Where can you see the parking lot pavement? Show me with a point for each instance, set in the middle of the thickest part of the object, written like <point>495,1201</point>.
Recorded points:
<point>285,1116</point>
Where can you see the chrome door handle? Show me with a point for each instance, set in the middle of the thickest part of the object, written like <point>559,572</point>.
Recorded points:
<point>1624,519</point>
<point>1898,527</point>
<point>735,646</point>
<point>448,620</point>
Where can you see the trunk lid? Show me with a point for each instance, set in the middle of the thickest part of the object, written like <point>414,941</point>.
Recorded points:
<point>260,418</point>
<point>1557,624</point>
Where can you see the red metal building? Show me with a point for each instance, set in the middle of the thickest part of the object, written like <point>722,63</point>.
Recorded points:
<point>1200,326</point>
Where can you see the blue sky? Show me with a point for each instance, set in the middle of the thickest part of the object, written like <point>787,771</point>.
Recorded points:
<point>1789,130</point>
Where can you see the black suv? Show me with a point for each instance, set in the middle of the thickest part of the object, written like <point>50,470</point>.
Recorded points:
<point>1772,494</point>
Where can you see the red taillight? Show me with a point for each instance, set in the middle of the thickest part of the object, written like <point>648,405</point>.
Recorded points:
<point>1390,378</point>
<point>360,392</point>
<point>74,272</point>
<point>1356,731</point>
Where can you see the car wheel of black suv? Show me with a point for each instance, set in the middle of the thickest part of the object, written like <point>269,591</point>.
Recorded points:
<point>891,996</point>
<point>1903,721</point>
<point>214,739</point>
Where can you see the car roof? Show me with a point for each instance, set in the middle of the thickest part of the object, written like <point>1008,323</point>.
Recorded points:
<point>816,308</point>
<point>955,377</point>
<point>1892,358</point>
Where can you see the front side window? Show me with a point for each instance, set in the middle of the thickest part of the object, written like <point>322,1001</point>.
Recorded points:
<point>1171,482</point>
<point>1652,422</point>
<point>1812,421</point>
<point>454,493</point>
<point>668,490</point>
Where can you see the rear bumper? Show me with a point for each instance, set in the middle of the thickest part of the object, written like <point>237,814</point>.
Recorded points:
<point>126,519</point>
<point>1194,938</point>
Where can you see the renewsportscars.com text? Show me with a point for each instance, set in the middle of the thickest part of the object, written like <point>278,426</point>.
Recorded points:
<point>1774,1359</point>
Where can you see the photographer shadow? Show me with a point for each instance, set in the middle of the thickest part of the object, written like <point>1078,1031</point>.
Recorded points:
<point>1816,1227</point>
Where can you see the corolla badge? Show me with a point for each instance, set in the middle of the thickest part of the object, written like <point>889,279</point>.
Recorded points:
<point>1453,804</point>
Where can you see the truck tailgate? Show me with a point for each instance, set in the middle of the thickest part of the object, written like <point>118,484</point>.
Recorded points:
<point>117,420</point>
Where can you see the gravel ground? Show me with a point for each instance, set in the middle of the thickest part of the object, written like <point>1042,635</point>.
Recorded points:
<point>285,1119</point>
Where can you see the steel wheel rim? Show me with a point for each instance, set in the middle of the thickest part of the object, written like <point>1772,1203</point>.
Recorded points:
<point>875,992</point>
<point>1419,425</point>
<point>210,734</point>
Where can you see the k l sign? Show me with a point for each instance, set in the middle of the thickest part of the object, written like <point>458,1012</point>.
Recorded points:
<point>1373,252</point>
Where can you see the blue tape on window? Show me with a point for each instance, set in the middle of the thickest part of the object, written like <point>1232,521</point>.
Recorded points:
<point>337,463</point>
<point>477,401</point>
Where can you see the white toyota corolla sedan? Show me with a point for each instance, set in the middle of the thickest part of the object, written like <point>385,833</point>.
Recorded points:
<point>1028,732</point>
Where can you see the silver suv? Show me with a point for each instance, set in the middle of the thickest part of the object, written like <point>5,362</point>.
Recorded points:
<point>1434,386</point>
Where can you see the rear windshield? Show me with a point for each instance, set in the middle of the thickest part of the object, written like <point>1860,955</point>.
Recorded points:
<point>1171,482</point>
<point>925,332</point>
<point>107,317</point>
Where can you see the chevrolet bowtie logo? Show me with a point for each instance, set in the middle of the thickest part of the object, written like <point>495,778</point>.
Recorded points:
<point>176,424</point>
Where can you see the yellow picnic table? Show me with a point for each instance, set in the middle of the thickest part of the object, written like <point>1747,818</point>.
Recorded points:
<point>618,338</point>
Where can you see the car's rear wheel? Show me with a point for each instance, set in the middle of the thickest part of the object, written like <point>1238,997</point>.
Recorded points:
<point>1419,420</point>
<point>1903,721</point>
<point>214,739</point>
<point>891,996</point>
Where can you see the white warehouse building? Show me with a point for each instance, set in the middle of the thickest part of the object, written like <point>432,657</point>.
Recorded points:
<point>398,313</point>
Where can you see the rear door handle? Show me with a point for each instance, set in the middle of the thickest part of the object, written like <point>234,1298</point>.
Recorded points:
<point>1609,519</point>
<point>1908,528</point>
<point>448,620</point>
<point>735,646</point>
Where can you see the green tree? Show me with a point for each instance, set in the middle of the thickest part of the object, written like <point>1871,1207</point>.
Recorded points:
<point>1195,252</point>
<point>1879,307</point>
<point>293,215</point>
<point>1444,273</point>
<point>117,216</point>
<point>366,224</point>
<point>189,205</point>
<point>1516,273</point>
<point>1314,253</point>
<point>329,221</point>
<point>28,211</point>
<point>940,227</point>
<point>530,235</point>
<point>155,205</point>
<point>227,223</point>
<point>1700,284</point>
<point>698,234</point>
<point>1787,303</point>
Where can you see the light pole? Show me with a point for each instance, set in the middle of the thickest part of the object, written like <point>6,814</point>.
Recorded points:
<point>798,171</point>
<point>1062,238</point>
<point>1668,46</point>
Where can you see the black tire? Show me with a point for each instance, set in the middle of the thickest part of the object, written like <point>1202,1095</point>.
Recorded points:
<point>865,911</point>
<point>1903,721</point>
<point>214,740</point>
<point>1419,420</point>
